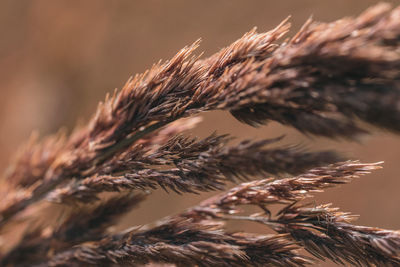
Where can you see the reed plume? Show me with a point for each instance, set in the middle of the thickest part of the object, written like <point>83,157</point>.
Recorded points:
<point>323,81</point>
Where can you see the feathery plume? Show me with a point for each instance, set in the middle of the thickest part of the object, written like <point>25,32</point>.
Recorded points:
<point>324,232</point>
<point>321,82</point>
<point>257,79</point>
<point>183,242</point>
<point>190,165</point>
<point>81,225</point>
<point>284,191</point>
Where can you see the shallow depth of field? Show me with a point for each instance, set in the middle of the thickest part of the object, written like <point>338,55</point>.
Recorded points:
<point>59,58</point>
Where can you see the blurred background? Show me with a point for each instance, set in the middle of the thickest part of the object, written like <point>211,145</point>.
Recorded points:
<point>58,59</point>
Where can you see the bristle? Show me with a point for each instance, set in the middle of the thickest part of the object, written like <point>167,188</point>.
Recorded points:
<point>323,81</point>
<point>187,165</point>
<point>80,225</point>
<point>184,243</point>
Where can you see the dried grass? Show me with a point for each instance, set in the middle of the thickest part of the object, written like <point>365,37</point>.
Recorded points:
<point>322,82</point>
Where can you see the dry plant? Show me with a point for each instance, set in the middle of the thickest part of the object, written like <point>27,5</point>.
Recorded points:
<point>323,81</point>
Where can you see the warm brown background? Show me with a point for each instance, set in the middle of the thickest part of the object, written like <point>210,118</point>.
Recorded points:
<point>59,58</point>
